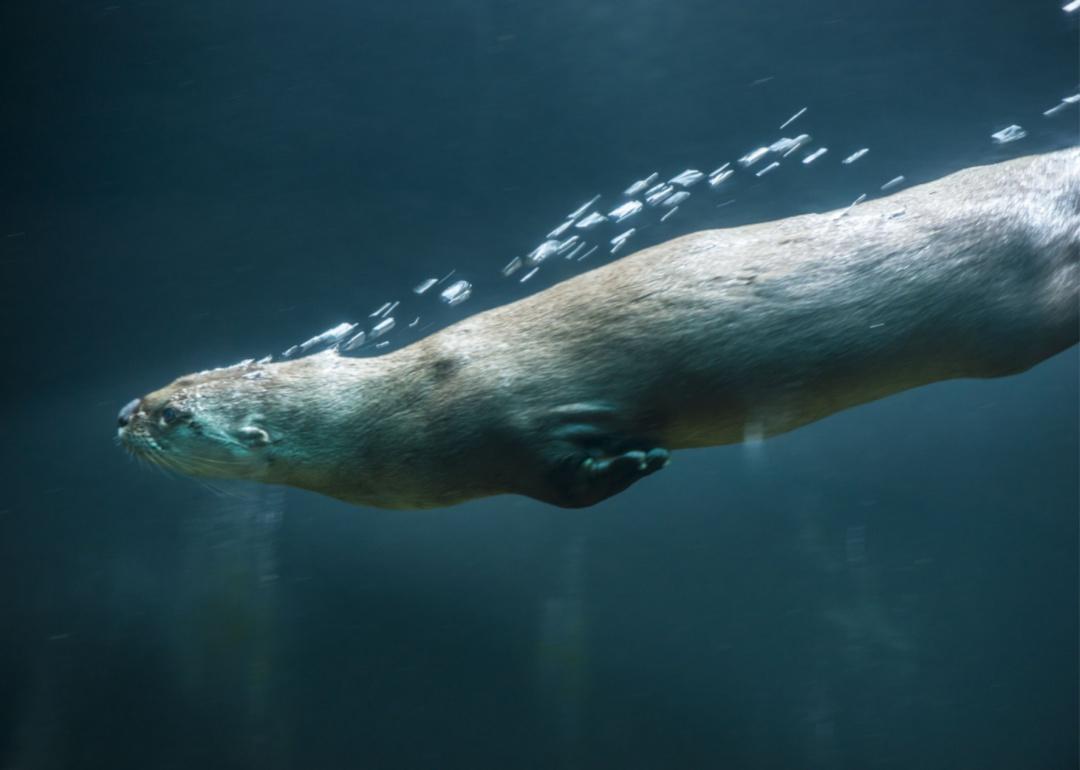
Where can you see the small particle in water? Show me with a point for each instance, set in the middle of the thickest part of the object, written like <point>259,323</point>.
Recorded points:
<point>380,310</point>
<point>814,155</point>
<point>1008,134</point>
<point>641,184</point>
<point>618,241</point>
<point>382,344</point>
<point>565,246</point>
<point>354,342</point>
<point>456,293</point>
<point>854,203</point>
<point>590,221</point>
<point>529,274</point>
<point>1070,7</point>
<point>561,229</point>
<point>543,251</point>
<point>876,326</point>
<point>854,156</point>
<point>718,170</point>
<point>761,81</point>
<point>894,182</point>
<point>445,277</point>
<point>753,157</point>
<point>796,143</point>
<point>582,208</point>
<point>587,253</point>
<point>725,203</point>
<point>424,285</point>
<point>661,192</point>
<point>577,249</point>
<point>792,119</point>
<point>389,310</point>
<point>290,352</point>
<point>625,211</point>
<point>335,334</point>
<point>415,321</point>
<point>265,360</point>
<point>771,167</point>
<point>665,217</point>
<point>1062,105</point>
<point>676,199</point>
<point>511,267</point>
<point>716,179</point>
<point>687,178</point>
<point>382,327</point>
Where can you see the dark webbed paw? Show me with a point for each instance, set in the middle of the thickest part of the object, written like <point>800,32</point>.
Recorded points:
<point>634,463</point>
<point>587,480</point>
<point>590,460</point>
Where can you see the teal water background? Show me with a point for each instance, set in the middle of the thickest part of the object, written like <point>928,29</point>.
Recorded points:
<point>188,184</point>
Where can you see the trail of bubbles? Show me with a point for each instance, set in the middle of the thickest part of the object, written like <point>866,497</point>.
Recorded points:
<point>643,195</point>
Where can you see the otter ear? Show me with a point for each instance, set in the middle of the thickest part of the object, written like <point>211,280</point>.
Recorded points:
<point>253,436</point>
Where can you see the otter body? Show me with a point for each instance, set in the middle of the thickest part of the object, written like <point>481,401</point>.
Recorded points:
<point>572,394</point>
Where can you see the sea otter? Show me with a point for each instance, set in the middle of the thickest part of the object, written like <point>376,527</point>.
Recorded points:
<point>571,395</point>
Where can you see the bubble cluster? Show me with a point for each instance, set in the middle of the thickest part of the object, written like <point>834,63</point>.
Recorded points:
<point>588,227</point>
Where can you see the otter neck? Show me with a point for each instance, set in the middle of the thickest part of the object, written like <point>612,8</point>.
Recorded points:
<point>365,430</point>
<point>315,411</point>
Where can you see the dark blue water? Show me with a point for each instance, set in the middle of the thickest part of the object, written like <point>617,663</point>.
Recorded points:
<point>187,184</point>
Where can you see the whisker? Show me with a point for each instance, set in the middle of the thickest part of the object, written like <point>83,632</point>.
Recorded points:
<point>208,461</point>
<point>146,451</point>
<point>203,466</point>
<point>188,467</point>
<point>221,491</point>
<point>164,466</point>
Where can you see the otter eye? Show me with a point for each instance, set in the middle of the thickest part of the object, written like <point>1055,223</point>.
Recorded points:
<point>170,415</point>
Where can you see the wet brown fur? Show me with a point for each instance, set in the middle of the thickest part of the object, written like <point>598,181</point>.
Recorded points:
<point>699,341</point>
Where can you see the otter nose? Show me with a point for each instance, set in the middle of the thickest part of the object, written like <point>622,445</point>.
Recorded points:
<point>127,412</point>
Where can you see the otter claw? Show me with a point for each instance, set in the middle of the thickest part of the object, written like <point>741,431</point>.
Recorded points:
<point>598,478</point>
<point>661,456</point>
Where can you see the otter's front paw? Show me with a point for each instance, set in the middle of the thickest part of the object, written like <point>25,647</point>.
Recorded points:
<point>586,481</point>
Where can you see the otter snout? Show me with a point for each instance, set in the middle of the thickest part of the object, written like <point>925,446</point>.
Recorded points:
<point>128,412</point>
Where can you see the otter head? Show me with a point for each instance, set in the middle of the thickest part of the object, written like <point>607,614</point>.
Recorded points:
<point>206,424</point>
